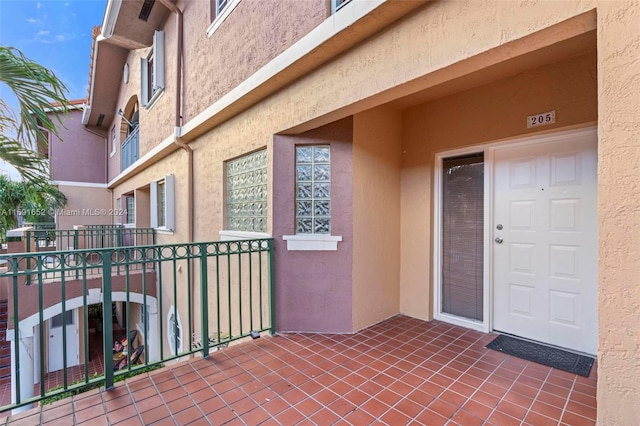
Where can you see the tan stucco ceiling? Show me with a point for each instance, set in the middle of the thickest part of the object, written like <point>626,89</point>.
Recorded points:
<point>110,54</point>
<point>572,47</point>
<point>130,31</point>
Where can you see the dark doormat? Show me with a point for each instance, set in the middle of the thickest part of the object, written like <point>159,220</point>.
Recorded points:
<point>552,357</point>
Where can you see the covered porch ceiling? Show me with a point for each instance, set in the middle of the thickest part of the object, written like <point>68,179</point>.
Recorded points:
<point>127,25</point>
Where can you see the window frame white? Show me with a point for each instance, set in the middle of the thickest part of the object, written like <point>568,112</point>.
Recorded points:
<point>311,242</point>
<point>152,72</point>
<point>131,218</point>
<point>336,5</point>
<point>114,143</point>
<point>221,15</point>
<point>167,223</point>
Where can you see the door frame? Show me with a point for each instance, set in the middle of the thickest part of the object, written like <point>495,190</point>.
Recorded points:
<point>488,149</point>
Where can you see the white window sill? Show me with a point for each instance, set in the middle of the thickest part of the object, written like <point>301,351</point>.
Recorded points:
<point>220,18</point>
<point>164,231</point>
<point>312,242</point>
<point>242,235</point>
<point>157,95</point>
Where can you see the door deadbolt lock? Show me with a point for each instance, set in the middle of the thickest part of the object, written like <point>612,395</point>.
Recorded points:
<point>499,227</point>
<point>499,240</point>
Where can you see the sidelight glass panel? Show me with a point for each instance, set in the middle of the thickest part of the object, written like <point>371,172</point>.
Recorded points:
<point>462,236</point>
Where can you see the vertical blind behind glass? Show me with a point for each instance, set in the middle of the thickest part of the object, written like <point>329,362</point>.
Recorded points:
<point>462,236</point>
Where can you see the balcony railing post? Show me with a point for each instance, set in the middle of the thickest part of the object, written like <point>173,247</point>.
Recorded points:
<point>272,302</point>
<point>204,297</point>
<point>107,319</point>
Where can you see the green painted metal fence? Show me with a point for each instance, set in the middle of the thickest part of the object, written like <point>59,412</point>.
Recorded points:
<point>178,299</point>
<point>88,237</point>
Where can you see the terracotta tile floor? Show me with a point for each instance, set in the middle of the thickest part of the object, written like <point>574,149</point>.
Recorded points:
<point>400,371</point>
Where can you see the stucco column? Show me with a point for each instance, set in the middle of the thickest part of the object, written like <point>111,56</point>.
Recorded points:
<point>24,371</point>
<point>618,212</point>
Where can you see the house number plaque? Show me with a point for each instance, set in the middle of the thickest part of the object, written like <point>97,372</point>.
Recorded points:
<point>541,119</point>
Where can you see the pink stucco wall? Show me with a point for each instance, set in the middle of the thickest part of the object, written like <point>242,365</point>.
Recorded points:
<point>255,32</point>
<point>78,155</point>
<point>313,288</point>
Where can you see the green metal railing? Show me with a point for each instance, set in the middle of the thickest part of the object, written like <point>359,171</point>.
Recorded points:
<point>197,297</point>
<point>89,237</point>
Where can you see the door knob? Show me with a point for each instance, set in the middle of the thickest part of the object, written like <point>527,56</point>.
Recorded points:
<point>499,240</point>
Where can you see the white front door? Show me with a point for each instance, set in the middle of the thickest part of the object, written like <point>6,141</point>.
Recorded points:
<point>55,341</point>
<point>545,244</point>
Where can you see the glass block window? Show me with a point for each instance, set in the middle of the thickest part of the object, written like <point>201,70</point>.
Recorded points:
<point>247,193</point>
<point>313,189</point>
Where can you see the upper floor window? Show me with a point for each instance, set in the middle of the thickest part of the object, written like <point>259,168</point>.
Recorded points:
<point>113,140</point>
<point>313,189</point>
<point>336,5</point>
<point>162,203</point>
<point>220,9</point>
<point>220,5</point>
<point>152,71</point>
<point>247,193</point>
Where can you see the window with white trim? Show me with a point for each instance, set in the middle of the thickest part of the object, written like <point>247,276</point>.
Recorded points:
<point>220,6</point>
<point>162,203</point>
<point>220,10</point>
<point>152,71</point>
<point>247,192</point>
<point>313,189</point>
<point>131,209</point>
<point>114,143</point>
<point>336,5</point>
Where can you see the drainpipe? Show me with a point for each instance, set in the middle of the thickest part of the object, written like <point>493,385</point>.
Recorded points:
<point>178,124</point>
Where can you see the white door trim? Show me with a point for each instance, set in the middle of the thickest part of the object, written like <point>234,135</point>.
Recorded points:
<point>488,149</point>
<point>483,326</point>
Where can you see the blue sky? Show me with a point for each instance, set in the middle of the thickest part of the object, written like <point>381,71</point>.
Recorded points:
<point>54,33</point>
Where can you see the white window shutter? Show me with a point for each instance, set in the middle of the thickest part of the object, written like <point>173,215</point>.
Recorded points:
<point>169,202</point>
<point>158,60</point>
<point>154,204</point>
<point>144,78</point>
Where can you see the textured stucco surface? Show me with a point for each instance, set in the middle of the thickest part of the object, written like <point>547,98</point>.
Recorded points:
<point>81,198</point>
<point>619,212</point>
<point>440,42</point>
<point>314,288</point>
<point>377,136</point>
<point>78,155</point>
<point>254,33</point>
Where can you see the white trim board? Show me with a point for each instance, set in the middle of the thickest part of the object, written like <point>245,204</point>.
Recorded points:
<point>79,184</point>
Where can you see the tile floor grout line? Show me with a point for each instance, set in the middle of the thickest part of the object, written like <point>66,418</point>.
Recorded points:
<point>566,402</point>
<point>197,405</point>
<point>444,389</point>
<point>217,394</point>
<point>153,382</point>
